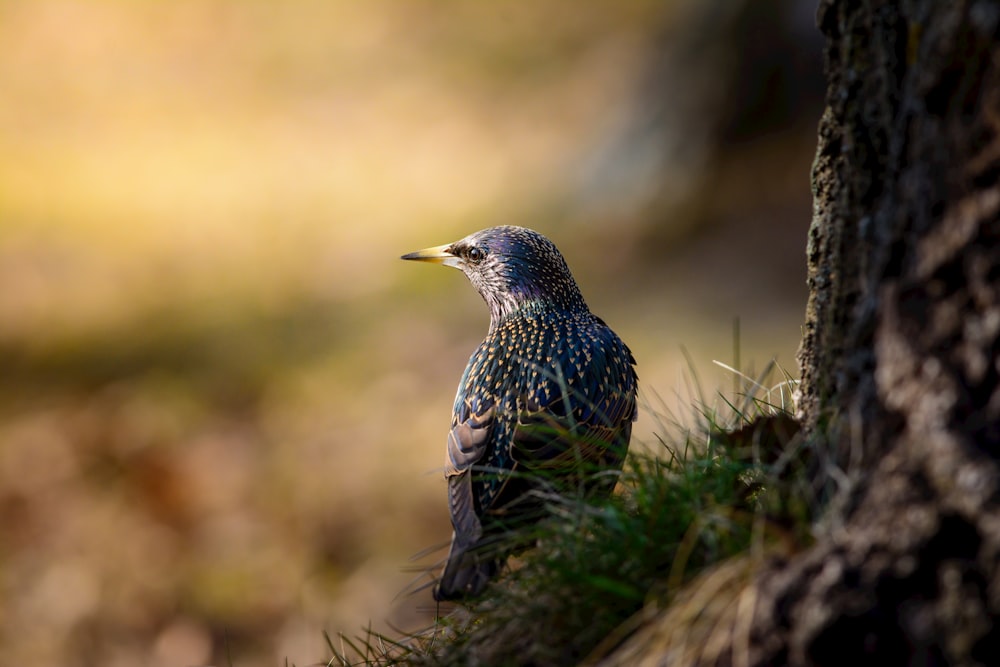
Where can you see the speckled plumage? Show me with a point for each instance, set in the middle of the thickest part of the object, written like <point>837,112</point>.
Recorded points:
<point>550,388</point>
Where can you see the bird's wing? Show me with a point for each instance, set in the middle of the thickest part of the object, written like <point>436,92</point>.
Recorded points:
<point>467,443</point>
<point>465,572</point>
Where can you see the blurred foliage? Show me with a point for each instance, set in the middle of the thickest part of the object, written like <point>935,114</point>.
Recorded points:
<point>223,399</point>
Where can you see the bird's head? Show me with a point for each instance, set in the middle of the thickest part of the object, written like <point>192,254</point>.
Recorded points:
<point>514,269</point>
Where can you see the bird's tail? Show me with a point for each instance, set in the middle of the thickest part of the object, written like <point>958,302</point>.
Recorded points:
<point>466,572</point>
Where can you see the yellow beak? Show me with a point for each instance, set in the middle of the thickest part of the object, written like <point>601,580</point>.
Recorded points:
<point>436,255</point>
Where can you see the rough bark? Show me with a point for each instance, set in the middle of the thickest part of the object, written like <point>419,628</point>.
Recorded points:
<point>900,359</point>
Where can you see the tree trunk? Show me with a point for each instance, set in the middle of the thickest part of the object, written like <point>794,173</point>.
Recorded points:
<point>900,397</point>
<point>900,355</point>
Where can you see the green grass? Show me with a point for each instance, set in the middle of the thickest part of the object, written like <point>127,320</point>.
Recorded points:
<point>729,491</point>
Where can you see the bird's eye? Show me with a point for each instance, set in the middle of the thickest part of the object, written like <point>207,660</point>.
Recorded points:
<point>476,254</point>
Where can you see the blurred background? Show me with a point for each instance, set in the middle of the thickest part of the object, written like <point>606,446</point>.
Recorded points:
<point>223,398</point>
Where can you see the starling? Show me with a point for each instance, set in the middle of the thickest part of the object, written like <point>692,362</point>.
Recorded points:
<point>550,388</point>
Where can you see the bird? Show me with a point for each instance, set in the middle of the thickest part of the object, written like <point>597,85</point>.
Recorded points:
<point>548,399</point>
